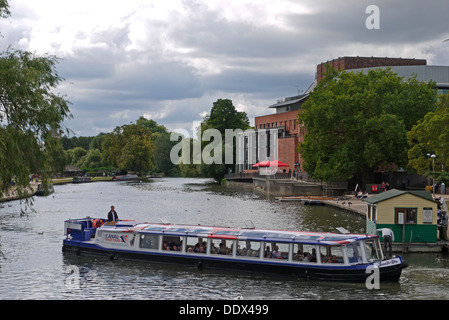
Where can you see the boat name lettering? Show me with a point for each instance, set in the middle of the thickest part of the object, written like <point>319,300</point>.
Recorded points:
<point>113,237</point>
<point>390,262</point>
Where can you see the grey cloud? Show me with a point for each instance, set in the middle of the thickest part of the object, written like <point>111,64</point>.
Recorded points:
<point>115,80</point>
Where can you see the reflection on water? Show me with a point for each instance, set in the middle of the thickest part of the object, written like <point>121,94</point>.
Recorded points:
<point>33,266</point>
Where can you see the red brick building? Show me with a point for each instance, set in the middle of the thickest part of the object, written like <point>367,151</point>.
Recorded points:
<point>290,134</point>
<point>348,63</point>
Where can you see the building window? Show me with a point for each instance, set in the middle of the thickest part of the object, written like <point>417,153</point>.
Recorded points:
<point>405,215</point>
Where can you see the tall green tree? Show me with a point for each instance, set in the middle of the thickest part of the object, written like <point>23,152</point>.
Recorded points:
<point>356,122</point>
<point>129,147</point>
<point>162,146</point>
<point>430,136</point>
<point>223,116</point>
<point>31,114</point>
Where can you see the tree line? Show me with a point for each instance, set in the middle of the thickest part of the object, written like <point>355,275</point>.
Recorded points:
<point>141,147</point>
<point>144,147</point>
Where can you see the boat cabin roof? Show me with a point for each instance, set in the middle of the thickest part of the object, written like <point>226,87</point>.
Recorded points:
<point>239,234</point>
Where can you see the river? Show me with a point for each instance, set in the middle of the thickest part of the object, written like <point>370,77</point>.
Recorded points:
<point>32,265</point>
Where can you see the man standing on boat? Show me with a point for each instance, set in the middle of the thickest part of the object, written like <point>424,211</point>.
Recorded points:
<point>112,215</point>
<point>388,236</point>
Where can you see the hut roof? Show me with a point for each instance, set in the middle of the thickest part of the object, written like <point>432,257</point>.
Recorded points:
<point>396,193</point>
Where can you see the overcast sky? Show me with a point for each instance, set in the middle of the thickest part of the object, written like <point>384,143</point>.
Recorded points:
<point>169,60</point>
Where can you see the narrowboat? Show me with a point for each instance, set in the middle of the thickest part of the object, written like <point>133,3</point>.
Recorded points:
<point>310,255</point>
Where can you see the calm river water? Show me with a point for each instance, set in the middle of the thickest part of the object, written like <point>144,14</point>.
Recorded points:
<point>32,265</point>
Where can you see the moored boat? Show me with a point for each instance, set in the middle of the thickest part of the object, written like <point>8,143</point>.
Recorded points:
<point>42,192</point>
<point>311,255</point>
<point>81,179</point>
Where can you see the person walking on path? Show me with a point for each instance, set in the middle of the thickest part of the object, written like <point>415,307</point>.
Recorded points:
<point>388,236</point>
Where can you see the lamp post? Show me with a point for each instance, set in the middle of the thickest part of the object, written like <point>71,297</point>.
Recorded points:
<point>433,173</point>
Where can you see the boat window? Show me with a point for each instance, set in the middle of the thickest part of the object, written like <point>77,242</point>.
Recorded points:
<point>171,243</point>
<point>276,250</point>
<point>195,245</point>
<point>247,248</point>
<point>298,252</point>
<point>331,254</point>
<point>221,246</point>
<point>354,252</point>
<point>149,241</point>
<point>372,249</point>
<point>304,252</point>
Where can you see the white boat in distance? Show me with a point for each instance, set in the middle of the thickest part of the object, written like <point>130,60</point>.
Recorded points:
<point>310,255</point>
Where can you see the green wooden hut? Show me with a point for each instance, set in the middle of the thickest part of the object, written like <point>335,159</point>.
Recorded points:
<point>412,215</point>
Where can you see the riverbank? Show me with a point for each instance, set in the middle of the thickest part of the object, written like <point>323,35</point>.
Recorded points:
<point>14,194</point>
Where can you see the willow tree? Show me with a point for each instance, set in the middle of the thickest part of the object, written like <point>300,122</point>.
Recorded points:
<point>357,122</point>
<point>31,115</point>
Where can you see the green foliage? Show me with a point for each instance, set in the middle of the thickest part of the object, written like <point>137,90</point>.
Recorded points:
<point>430,136</point>
<point>223,116</point>
<point>357,122</point>
<point>129,147</point>
<point>31,115</point>
<point>4,9</point>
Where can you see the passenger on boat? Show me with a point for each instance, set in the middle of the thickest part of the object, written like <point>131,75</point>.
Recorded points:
<point>313,255</point>
<point>267,252</point>
<point>200,248</point>
<point>298,256</point>
<point>355,257</point>
<point>249,251</point>
<point>222,248</point>
<point>112,215</point>
<point>276,253</point>
<point>307,257</point>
